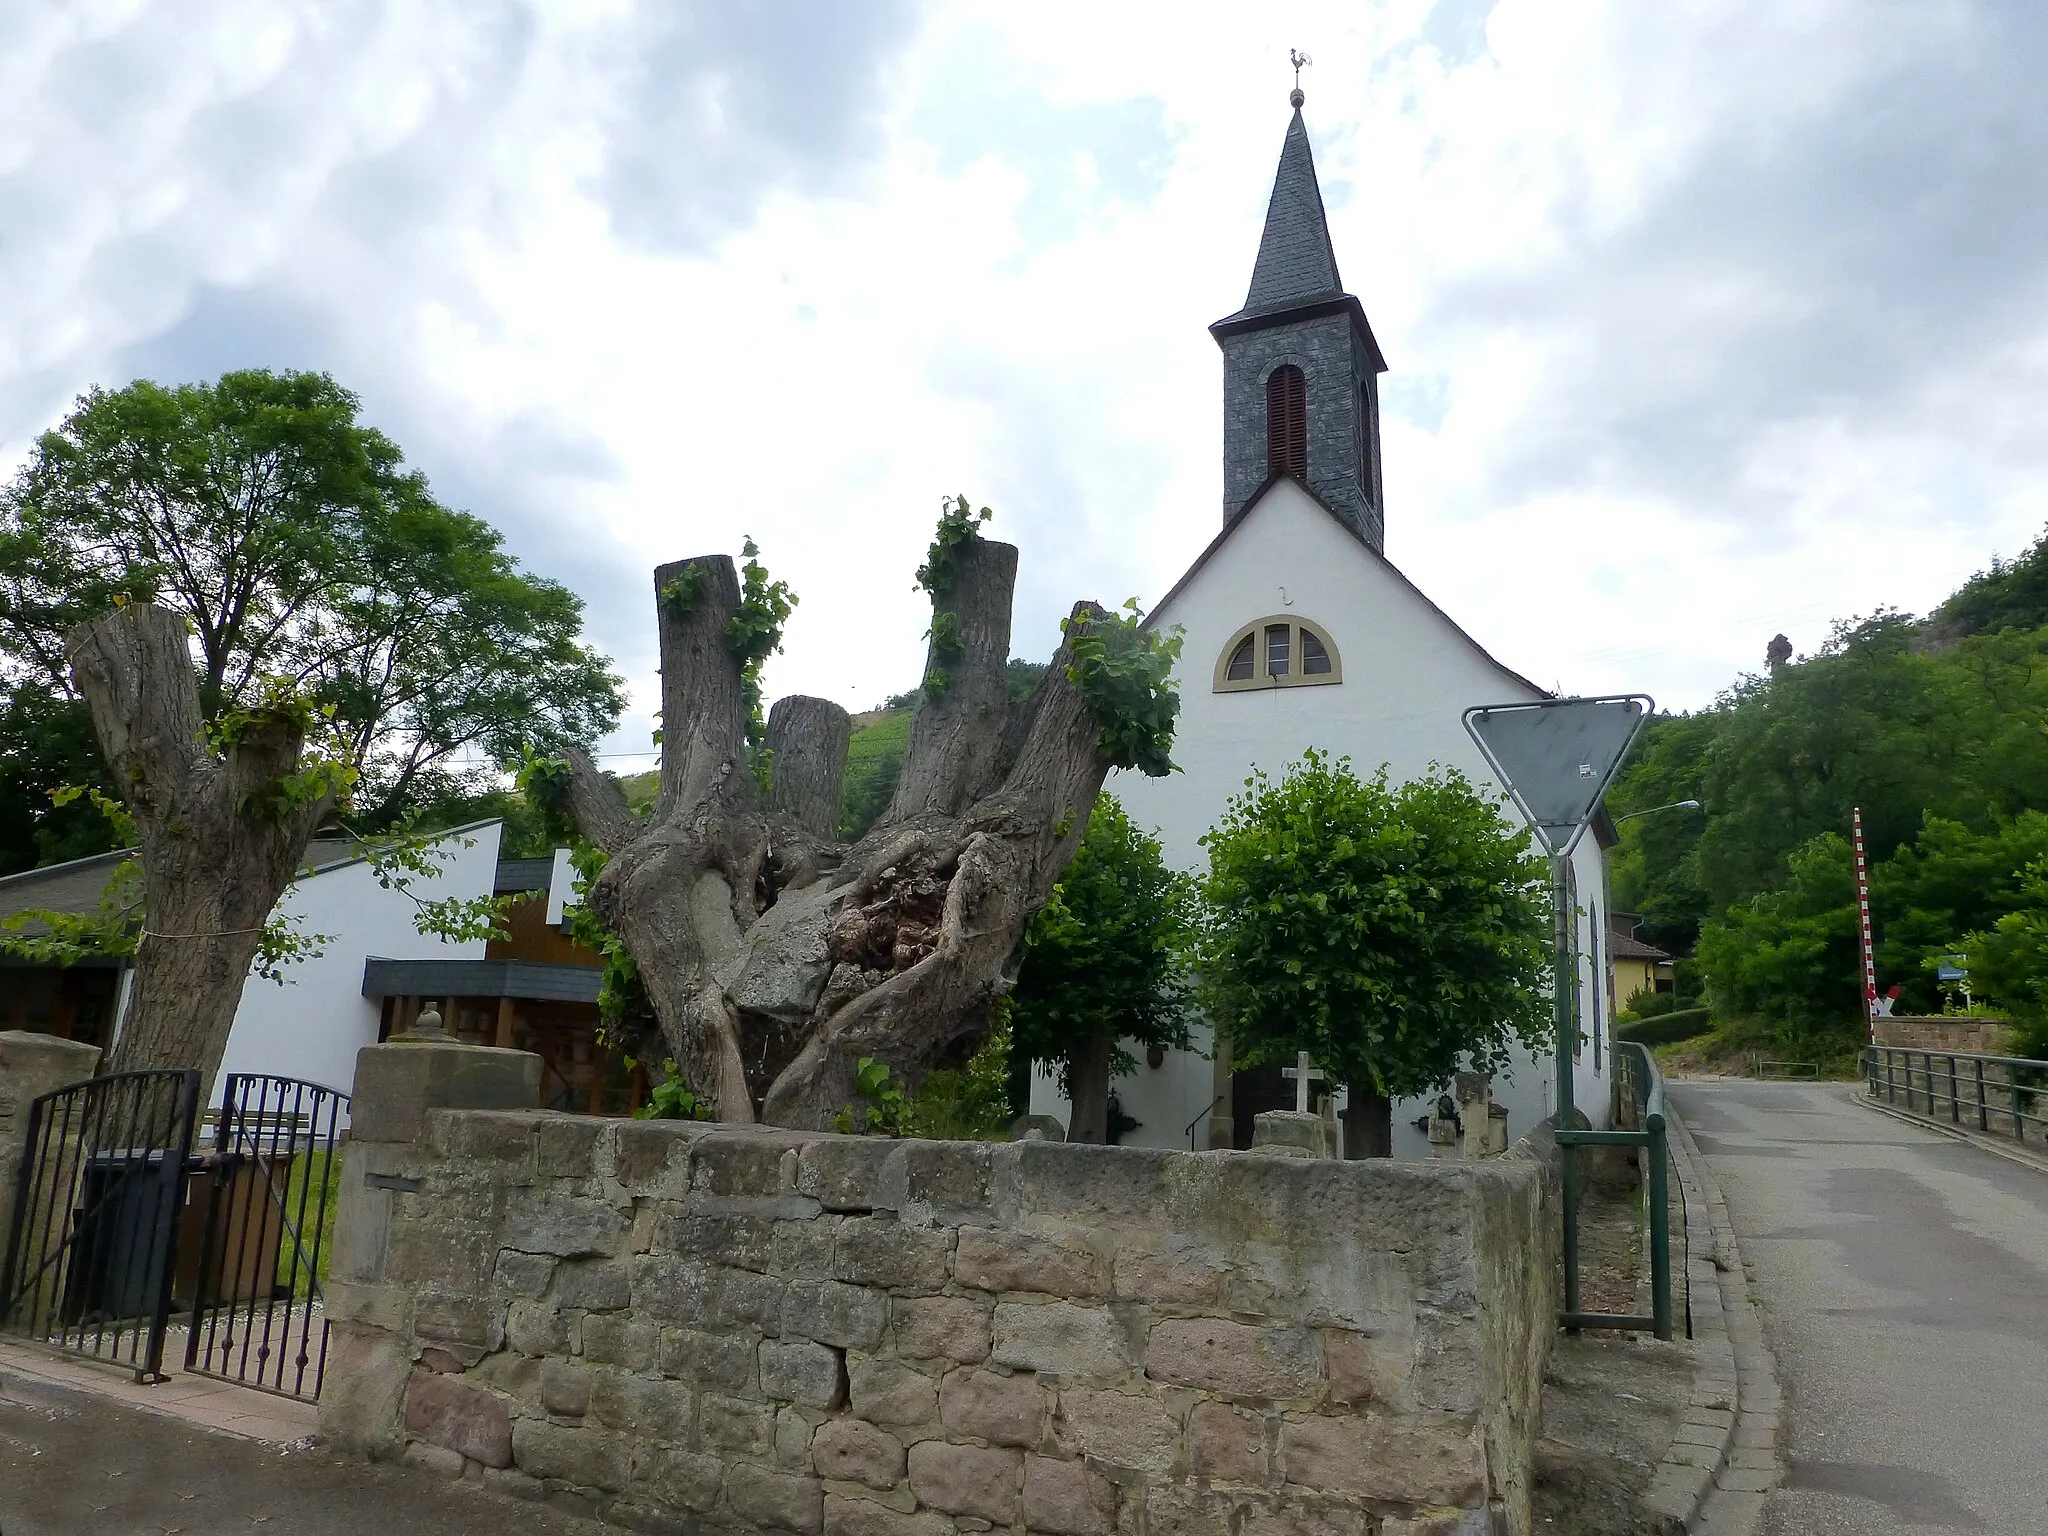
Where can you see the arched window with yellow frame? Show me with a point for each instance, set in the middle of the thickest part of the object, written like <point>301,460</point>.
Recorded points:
<point>1279,651</point>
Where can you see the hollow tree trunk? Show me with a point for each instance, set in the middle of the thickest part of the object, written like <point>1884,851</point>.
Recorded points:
<point>218,847</point>
<point>1088,1080</point>
<point>776,958</point>
<point>1368,1123</point>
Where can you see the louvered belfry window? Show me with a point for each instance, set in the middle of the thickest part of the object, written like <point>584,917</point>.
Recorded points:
<point>1287,422</point>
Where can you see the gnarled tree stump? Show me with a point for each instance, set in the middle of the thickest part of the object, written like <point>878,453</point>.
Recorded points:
<point>776,957</point>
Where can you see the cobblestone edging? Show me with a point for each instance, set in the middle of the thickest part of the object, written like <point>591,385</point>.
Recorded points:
<point>1723,1460</point>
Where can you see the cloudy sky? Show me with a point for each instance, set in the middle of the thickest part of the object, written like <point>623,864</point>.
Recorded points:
<point>1706,319</point>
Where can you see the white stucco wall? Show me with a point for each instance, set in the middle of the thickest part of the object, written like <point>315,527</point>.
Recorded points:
<point>313,1025</point>
<point>1408,676</point>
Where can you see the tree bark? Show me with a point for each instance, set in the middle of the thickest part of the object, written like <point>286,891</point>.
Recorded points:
<point>1088,1085</point>
<point>1368,1123</point>
<point>774,957</point>
<point>807,740</point>
<point>216,854</point>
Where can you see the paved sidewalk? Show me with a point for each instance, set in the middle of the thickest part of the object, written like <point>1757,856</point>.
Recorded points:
<point>198,1400</point>
<point>1903,1283</point>
<point>74,1463</point>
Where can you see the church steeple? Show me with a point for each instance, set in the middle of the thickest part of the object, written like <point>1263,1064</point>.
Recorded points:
<point>1300,365</point>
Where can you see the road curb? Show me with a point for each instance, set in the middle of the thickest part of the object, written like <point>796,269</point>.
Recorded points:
<point>1723,1459</point>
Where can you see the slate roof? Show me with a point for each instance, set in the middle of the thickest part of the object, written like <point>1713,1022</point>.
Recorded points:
<point>1297,264</point>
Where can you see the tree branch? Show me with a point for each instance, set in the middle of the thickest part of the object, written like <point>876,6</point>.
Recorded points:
<point>807,740</point>
<point>957,732</point>
<point>703,716</point>
<point>597,805</point>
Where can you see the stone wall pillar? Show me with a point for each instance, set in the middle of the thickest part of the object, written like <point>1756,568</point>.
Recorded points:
<point>31,1065</point>
<point>371,1312</point>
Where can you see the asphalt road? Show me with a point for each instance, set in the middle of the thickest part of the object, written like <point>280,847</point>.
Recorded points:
<point>1903,1281</point>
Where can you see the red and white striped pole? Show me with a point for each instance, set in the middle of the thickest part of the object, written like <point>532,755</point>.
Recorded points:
<point>1863,921</point>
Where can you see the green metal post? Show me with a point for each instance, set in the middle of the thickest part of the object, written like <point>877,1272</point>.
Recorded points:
<point>1660,1228</point>
<point>1565,987</point>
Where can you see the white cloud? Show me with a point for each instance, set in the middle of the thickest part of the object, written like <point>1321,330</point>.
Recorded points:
<point>1706,319</point>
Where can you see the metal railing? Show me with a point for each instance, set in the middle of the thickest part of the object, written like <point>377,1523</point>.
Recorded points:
<point>1640,1098</point>
<point>1999,1095</point>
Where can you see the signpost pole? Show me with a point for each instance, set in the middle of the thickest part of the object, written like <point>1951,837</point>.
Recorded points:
<point>1564,990</point>
<point>1863,929</point>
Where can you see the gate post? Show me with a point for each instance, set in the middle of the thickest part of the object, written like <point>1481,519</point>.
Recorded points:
<point>370,1317</point>
<point>31,1065</point>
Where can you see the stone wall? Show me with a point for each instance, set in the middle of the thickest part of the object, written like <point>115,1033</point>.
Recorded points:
<point>723,1329</point>
<point>1974,1036</point>
<point>31,1065</point>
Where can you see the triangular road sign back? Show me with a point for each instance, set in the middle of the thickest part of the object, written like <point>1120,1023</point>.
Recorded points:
<point>1557,757</point>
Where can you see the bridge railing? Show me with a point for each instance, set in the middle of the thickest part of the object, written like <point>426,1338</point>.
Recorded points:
<point>1997,1095</point>
<point>1640,1099</point>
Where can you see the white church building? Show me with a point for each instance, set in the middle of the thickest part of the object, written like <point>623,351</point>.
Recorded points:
<point>1297,633</point>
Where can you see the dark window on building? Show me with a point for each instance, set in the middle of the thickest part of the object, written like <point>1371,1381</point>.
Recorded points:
<point>1241,660</point>
<point>1276,650</point>
<point>1287,422</point>
<point>1313,657</point>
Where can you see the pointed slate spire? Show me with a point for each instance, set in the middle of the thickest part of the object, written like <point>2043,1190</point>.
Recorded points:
<point>1297,264</point>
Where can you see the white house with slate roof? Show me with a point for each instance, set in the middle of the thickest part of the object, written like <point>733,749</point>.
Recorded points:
<point>1298,633</point>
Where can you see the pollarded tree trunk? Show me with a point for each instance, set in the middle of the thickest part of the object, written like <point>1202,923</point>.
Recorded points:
<point>219,840</point>
<point>776,958</point>
<point>1088,1078</point>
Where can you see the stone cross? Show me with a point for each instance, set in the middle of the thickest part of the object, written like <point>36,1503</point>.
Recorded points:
<point>1303,1072</point>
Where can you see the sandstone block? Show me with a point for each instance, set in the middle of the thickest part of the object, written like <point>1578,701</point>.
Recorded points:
<point>1175,1279</point>
<point>1222,1356</point>
<point>846,1516</point>
<point>884,1392</point>
<point>653,1158</point>
<point>568,1226</point>
<point>942,1182</point>
<point>993,1260</point>
<point>732,1424</point>
<point>534,1328</point>
<point>1175,1509</point>
<point>1417,1463</point>
<point>1297,1517</point>
<point>362,1405</point>
<point>1362,1367</point>
<point>880,1251</point>
<point>799,1371</point>
<point>941,1328</point>
<point>489,1138</point>
<point>447,1411</point>
<point>968,1480</point>
<point>522,1274</point>
<point>587,1458</point>
<point>396,1085</point>
<point>779,1500</point>
<point>856,1451</point>
<point>647,1407</point>
<point>1119,1429</point>
<point>1225,1444</point>
<point>833,1312</point>
<point>739,1299</point>
<point>1060,1338</point>
<point>615,1338</point>
<point>1004,1410</point>
<point>598,1285</point>
<point>677,1478</point>
<point>567,1145</point>
<point>840,1172</point>
<point>757,1241</point>
<point>754,1164</point>
<point>1066,1499</point>
<point>459,1321</point>
<point>564,1388</point>
<point>721,1360</point>
<point>435,1460</point>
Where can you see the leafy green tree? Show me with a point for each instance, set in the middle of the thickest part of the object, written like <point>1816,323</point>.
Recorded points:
<point>1105,961</point>
<point>1396,933</point>
<point>1788,958</point>
<point>300,550</point>
<point>46,742</point>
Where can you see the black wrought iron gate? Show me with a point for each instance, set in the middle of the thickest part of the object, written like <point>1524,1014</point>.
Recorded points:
<point>272,1181</point>
<point>92,1251</point>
